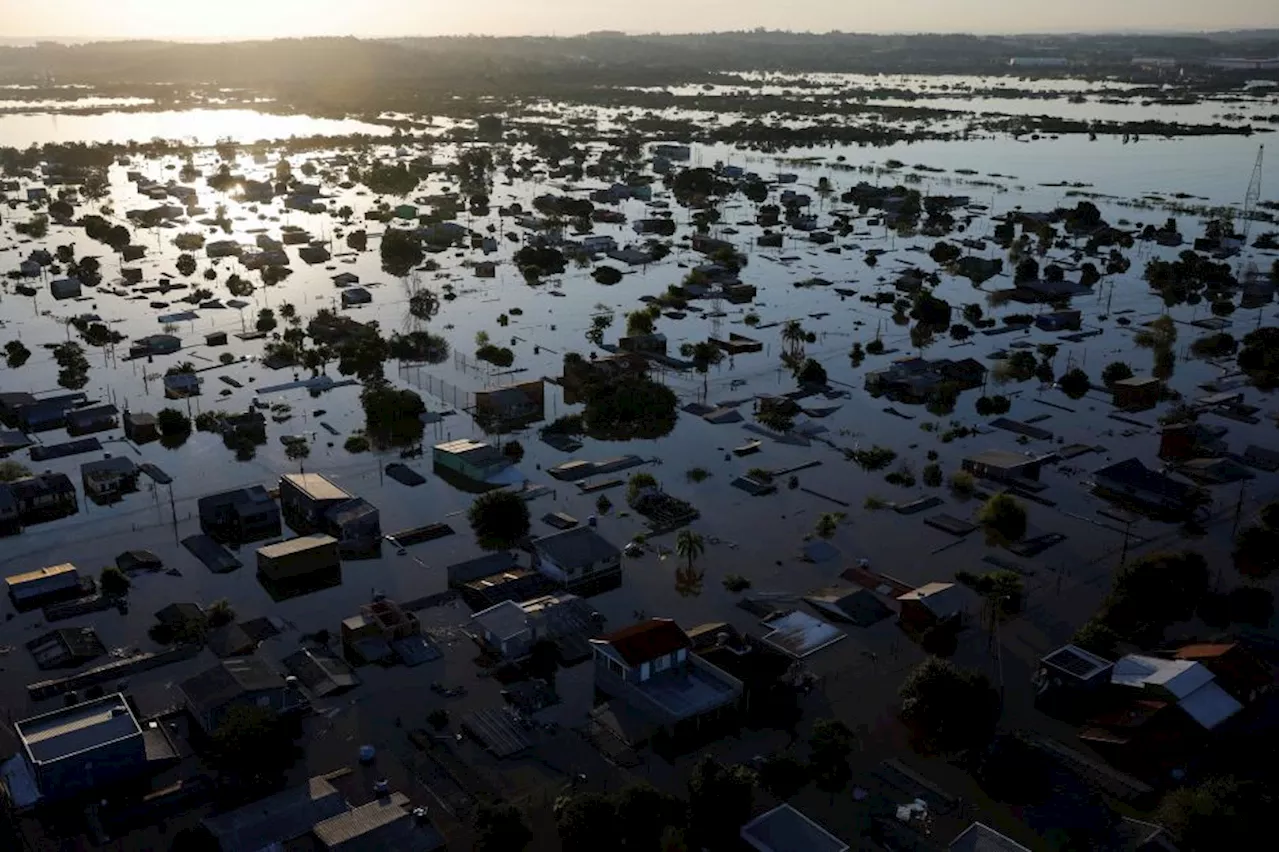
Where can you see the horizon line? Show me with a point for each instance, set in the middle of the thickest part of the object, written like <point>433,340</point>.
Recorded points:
<point>195,39</point>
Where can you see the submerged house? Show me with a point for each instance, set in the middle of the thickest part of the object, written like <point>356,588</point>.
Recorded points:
<point>579,560</point>
<point>916,380</point>
<point>236,682</point>
<point>44,497</point>
<point>1130,481</point>
<point>240,515</point>
<point>513,405</point>
<point>306,497</point>
<point>473,460</point>
<point>78,749</point>
<point>109,479</point>
<point>652,682</point>
<point>510,630</point>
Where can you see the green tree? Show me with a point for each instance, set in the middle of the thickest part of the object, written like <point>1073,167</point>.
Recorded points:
<point>829,747</point>
<point>186,265</point>
<point>828,524</point>
<point>639,323</point>
<point>500,828</point>
<point>1221,813</point>
<point>252,747</point>
<point>689,546</point>
<point>587,822</point>
<point>12,470</point>
<point>811,372</point>
<point>720,802</point>
<point>1116,371</point>
<point>1003,520</point>
<point>220,613</point>
<point>1074,383</point>
<point>499,519</point>
<point>950,709</point>
<point>644,815</point>
<point>784,775</point>
<point>113,582</point>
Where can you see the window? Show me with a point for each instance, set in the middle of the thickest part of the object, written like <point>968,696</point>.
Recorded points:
<point>662,663</point>
<point>644,671</point>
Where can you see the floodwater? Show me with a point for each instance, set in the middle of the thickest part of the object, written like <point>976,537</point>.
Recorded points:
<point>755,537</point>
<point>196,126</point>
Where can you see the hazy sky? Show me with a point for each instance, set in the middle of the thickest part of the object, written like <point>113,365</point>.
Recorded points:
<point>275,18</point>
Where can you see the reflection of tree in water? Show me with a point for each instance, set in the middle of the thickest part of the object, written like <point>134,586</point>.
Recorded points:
<point>689,581</point>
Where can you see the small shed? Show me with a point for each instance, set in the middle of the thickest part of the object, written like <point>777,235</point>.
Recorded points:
<point>140,427</point>
<point>931,604</point>
<point>65,288</point>
<point>1136,393</point>
<point>353,296</point>
<point>215,338</point>
<point>296,558</point>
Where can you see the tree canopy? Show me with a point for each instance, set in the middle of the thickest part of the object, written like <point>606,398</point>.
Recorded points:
<point>949,708</point>
<point>499,519</point>
<point>1003,519</point>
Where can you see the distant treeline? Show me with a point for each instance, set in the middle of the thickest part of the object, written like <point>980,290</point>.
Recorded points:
<point>477,63</point>
<point>467,77</point>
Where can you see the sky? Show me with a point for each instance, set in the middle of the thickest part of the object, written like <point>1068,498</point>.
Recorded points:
<point>251,19</point>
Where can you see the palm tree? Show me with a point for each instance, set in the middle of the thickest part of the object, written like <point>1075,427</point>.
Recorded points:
<point>793,336</point>
<point>689,544</point>
<point>827,525</point>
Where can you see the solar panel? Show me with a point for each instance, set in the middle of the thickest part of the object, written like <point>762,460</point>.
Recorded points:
<point>1070,660</point>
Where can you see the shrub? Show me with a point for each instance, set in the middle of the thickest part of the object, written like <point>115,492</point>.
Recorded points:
<point>1003,519</point>
<point>962,483</point>
<point>736,583</point>
<point>697,474</point>
<point>356,444</point>
<point>932,475</point>
<point>113,582</point>
<point>874,503</point>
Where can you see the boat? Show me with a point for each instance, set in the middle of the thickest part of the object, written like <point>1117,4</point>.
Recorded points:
<point>747,449</point>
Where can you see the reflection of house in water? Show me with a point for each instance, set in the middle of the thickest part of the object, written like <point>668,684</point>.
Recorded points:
<point>511,407</point>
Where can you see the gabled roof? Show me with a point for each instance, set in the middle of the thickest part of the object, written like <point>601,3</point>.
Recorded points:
<point>504,620</point>
<point>216,686</point>
<point>785,829</point>
<point>647,640</point>
<point>578,547</point>
<point>981,838</point>
<point>1134,474</point>
<point>1205,650</point>
<point>1179,677</point>
<point>941,599</point>
<point>276,819</point>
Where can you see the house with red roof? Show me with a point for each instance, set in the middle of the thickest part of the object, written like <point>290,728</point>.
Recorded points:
<point>651,682</point>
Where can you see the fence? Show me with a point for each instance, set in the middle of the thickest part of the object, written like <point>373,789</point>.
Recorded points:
<point>463,400</point>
